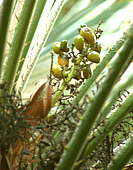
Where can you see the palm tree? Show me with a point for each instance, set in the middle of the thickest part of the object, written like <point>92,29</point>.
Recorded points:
<point>80,113</point>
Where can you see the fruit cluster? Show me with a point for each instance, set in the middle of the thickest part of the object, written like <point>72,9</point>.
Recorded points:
<point>84,51</point>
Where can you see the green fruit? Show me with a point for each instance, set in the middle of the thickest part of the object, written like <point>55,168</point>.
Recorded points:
<point>63,46</point>
<point>79,42</point>
<point>86,72</point>
<point>57,47</point>
<point>93,57</point>
<point>88,35</point>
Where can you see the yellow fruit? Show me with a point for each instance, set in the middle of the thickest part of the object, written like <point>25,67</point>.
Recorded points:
<point>57,47</point>
<point>86,72</point>
<point>88,35</point>
<point>57,71</point>
<point>63,60</point>
<point>94,57</point>
<point>79,42</point>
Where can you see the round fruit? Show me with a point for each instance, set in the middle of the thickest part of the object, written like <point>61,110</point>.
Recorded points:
<point>97,47</point>
<point>63,46</point>
<point>94,57</point>
<point>86,72</point>
<point>88,35</point>
<point>57,71</point>
<point>57,47</point>
<point>63,60</point>
<point>79,42</point>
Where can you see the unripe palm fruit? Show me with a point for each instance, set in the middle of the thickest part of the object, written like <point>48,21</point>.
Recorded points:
<point>63,46</point>
<point>57,47</point>
<point>86,72</point>
<point>63,60</point>
<point>97,47</point>
<point>93,56</point>
<point>57,71</point>
<point>88,35</point>
<point>79,42</point>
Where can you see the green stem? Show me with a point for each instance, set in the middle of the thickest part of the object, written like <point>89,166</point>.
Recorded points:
<point>109,125</point>
<point>123,156</point>
<point>66,81</point>
<point>43,36</point>
<point>76,144</point>
<point>10,68</point>
<point>113,96</point>
<point>4,26</point>
<point>31,30</point>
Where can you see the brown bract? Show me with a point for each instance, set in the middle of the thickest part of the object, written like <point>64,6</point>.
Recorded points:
<point>40,104</point>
